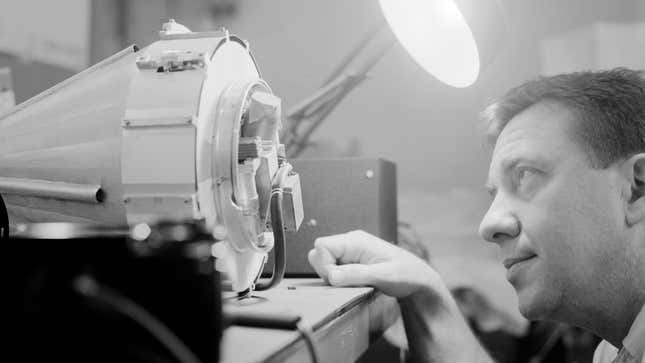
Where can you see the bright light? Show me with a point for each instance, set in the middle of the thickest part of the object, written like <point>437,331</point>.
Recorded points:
<point>141,231</point>
<point>437,36</point>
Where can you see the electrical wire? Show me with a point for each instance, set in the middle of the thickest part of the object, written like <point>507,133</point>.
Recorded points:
<point>308,335</point>
<point>277,321</point>
<point>279,247</point>
<point>277,225</point>
<point>91,289</point>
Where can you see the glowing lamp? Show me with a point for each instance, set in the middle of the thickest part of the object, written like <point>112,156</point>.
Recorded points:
<point>452,40</point>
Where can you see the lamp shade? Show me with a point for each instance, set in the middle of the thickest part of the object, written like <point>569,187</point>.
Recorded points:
<point>451,40</point>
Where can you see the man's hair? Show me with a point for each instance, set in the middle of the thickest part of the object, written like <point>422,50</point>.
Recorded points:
<point>609,105</point>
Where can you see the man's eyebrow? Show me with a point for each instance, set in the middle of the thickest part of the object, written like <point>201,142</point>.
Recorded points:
<point>510,164</point>
<point>507,164</point>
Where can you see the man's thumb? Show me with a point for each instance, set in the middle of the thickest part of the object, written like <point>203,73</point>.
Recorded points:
<point>350,275</point>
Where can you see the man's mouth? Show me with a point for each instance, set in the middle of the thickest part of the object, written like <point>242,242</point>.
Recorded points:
<point>509,262</point>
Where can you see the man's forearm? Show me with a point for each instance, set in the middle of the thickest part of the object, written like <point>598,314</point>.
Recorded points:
<point>436,329</point>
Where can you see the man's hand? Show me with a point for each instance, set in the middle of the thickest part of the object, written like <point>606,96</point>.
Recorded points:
<point>436,330</point>
<point>359,258</point>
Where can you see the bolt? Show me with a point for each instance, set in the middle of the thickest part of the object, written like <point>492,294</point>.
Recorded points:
<point>369,173</point>
<point>312,222</point>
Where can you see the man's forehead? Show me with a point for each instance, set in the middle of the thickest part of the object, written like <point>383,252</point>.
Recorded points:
<point>541,132</point>
<point>544,118</point>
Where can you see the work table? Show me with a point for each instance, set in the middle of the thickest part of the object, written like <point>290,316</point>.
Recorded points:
<point>344,322</point>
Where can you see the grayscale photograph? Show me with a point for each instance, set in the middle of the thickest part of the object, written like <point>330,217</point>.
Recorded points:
<point>338,181</point>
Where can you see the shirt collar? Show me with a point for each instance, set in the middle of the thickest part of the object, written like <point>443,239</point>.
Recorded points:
<point>634,342</point>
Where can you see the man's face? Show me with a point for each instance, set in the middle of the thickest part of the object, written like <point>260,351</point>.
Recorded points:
<point>557,220</point>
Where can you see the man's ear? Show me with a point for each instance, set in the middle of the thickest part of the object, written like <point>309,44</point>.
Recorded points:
<point>634,170</point>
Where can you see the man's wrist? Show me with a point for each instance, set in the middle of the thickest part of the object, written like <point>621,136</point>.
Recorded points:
<point>436,329</point>
<point>435,299</point>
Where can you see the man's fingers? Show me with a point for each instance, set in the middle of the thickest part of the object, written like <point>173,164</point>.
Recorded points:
<point>334,245</point>
<point>318,258</point>
<point>350,275</point>
<point>353,258</point>
<point>350,247</point>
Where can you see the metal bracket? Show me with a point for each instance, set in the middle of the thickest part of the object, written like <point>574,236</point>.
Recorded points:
<point>157,117</point>
<point>173,61</point>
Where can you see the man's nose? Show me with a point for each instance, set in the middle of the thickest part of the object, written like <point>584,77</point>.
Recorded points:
<point>499,225</point>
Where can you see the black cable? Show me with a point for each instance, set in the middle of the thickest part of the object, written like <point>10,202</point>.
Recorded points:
<point>279,248</point>
<point>278,321</point>
<point>308,335</point>
<point>279,245</point>
<point>4,220</point>
<point>91,289</point>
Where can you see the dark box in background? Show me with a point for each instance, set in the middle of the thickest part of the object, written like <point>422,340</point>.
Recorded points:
<point>341,195</point>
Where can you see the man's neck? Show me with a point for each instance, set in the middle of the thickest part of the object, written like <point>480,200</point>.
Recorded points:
<point>613,325</point>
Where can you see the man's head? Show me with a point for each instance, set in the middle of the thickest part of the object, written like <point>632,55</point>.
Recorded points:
<point>568,178</point>
<point>609,105</point>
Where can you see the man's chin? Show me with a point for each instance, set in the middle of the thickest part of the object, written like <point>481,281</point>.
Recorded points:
<point>534,306</point>
<point>529,312</point>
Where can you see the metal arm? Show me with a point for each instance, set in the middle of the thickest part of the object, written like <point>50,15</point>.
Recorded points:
<point>305,117</point>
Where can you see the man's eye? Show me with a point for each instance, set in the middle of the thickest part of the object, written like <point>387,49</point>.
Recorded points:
<point>524,173</point>
<point>525,179</point>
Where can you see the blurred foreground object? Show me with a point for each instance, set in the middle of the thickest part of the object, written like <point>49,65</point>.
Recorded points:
<point>450,39</point>
<point>88,293</point>
<point>183,129</point>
